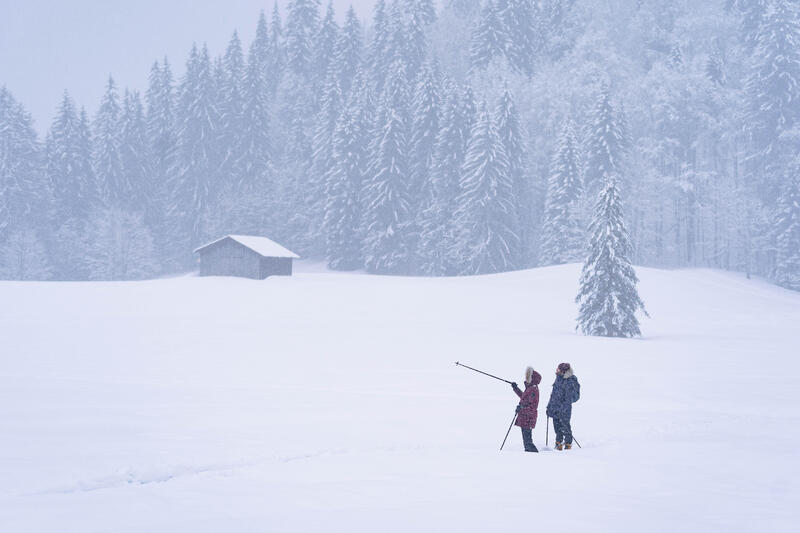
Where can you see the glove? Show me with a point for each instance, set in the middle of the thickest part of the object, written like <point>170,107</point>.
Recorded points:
<point>514,385</point>
<point>519,408</point>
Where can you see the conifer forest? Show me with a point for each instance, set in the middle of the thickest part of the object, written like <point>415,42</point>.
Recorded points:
<point>432,139</point>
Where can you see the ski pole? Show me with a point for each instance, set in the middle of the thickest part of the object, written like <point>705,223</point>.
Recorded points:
<point>482,372</point>
<point>576,442</point>
<point>509,429</point>
<point>547,433</point>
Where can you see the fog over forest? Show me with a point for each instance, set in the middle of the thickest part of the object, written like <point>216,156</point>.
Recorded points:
<point>428,139</point>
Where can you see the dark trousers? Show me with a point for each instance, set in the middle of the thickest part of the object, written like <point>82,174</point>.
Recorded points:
<point>563,429</point>
<point>527,440</point>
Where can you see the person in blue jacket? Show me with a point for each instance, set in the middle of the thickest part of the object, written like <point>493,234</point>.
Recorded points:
<point>566,391</point>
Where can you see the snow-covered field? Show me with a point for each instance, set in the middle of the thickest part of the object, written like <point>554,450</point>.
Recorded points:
<point>330,402</point>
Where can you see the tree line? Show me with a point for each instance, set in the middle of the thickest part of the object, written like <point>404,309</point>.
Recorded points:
<point>471,140</point>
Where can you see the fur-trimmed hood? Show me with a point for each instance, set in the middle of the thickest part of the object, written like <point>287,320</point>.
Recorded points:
<point>532,376</point>
<point>568,374</point>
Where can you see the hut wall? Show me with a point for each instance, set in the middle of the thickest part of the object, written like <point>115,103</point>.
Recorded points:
<point>229,258</point>
<point>276,266</point>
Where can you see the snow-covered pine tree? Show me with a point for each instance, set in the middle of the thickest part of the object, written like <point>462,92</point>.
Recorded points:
<point>773,90</point>
<point>68,160</point>
<point>787,260</point>
<point>606,145</point>
<point>107,160</point>
<point>349,50</point>
<point>424,127</point>
<point>230,104</point>
<point>302,24</point>
<point>509,129</point>
<point>255,134</point>
<point>562,239</point>
<point>261,43</point>
<point>489,39</point>
<point>162,141</point>
<point>276,62</point>
<point>160,99</point>
<point>486,211</point>
<point>322,160</point>
<point>436,216</point>
<point>342,219</point>
<point>386,197</point>
<point>68,163</point>
<point>414,28</point>
<point>135,154</point>
<point>193,188</point>
<point>378,53</point>
<point>608,297</point>
<point>24,192</point>
<point>324,50</point>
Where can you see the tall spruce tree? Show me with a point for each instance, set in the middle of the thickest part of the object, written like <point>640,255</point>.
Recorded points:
<point>135,155</point>
<point>324,50</point>
<point>275,66</point>
<point>68,156</point>
<point>342,217</point>
<point>437,239</point>
<point>415,28</point>
<point>386,198</point>
<point>194,186</point>
<point>606,145</point>
<point>322,159</point>
<point>608,297</point>
<point>378,53</point>
<point>424,127</point>
<point>562,235</point>
<point>107,158</point>
<point>349,51</point>
<point>230,105</point>
<point>509,129</point>
<point>255,134</point>
<point>162,140</point>
<point>486,212</point>
<point>24,193</point>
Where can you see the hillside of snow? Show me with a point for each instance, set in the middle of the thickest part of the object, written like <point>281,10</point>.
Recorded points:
<point>330,402</point>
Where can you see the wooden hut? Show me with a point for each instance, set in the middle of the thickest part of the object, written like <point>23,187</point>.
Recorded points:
<point>245,256</point>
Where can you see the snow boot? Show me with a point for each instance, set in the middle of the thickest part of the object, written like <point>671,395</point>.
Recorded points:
<point>567,446</point>
<point>559,446</point>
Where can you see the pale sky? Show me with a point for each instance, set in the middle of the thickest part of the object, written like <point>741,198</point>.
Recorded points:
<point>47,46</point>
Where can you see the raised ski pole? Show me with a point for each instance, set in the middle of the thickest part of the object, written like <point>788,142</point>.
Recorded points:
<point>482,372</point>
<point>509,428</point>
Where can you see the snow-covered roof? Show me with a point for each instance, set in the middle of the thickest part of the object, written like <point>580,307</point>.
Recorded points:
<point>260,245</point>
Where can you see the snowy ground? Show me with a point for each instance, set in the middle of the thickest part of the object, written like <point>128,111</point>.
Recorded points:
<point>331,402</point>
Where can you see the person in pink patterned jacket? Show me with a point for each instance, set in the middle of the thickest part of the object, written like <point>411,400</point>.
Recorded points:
<point>527,410</point>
